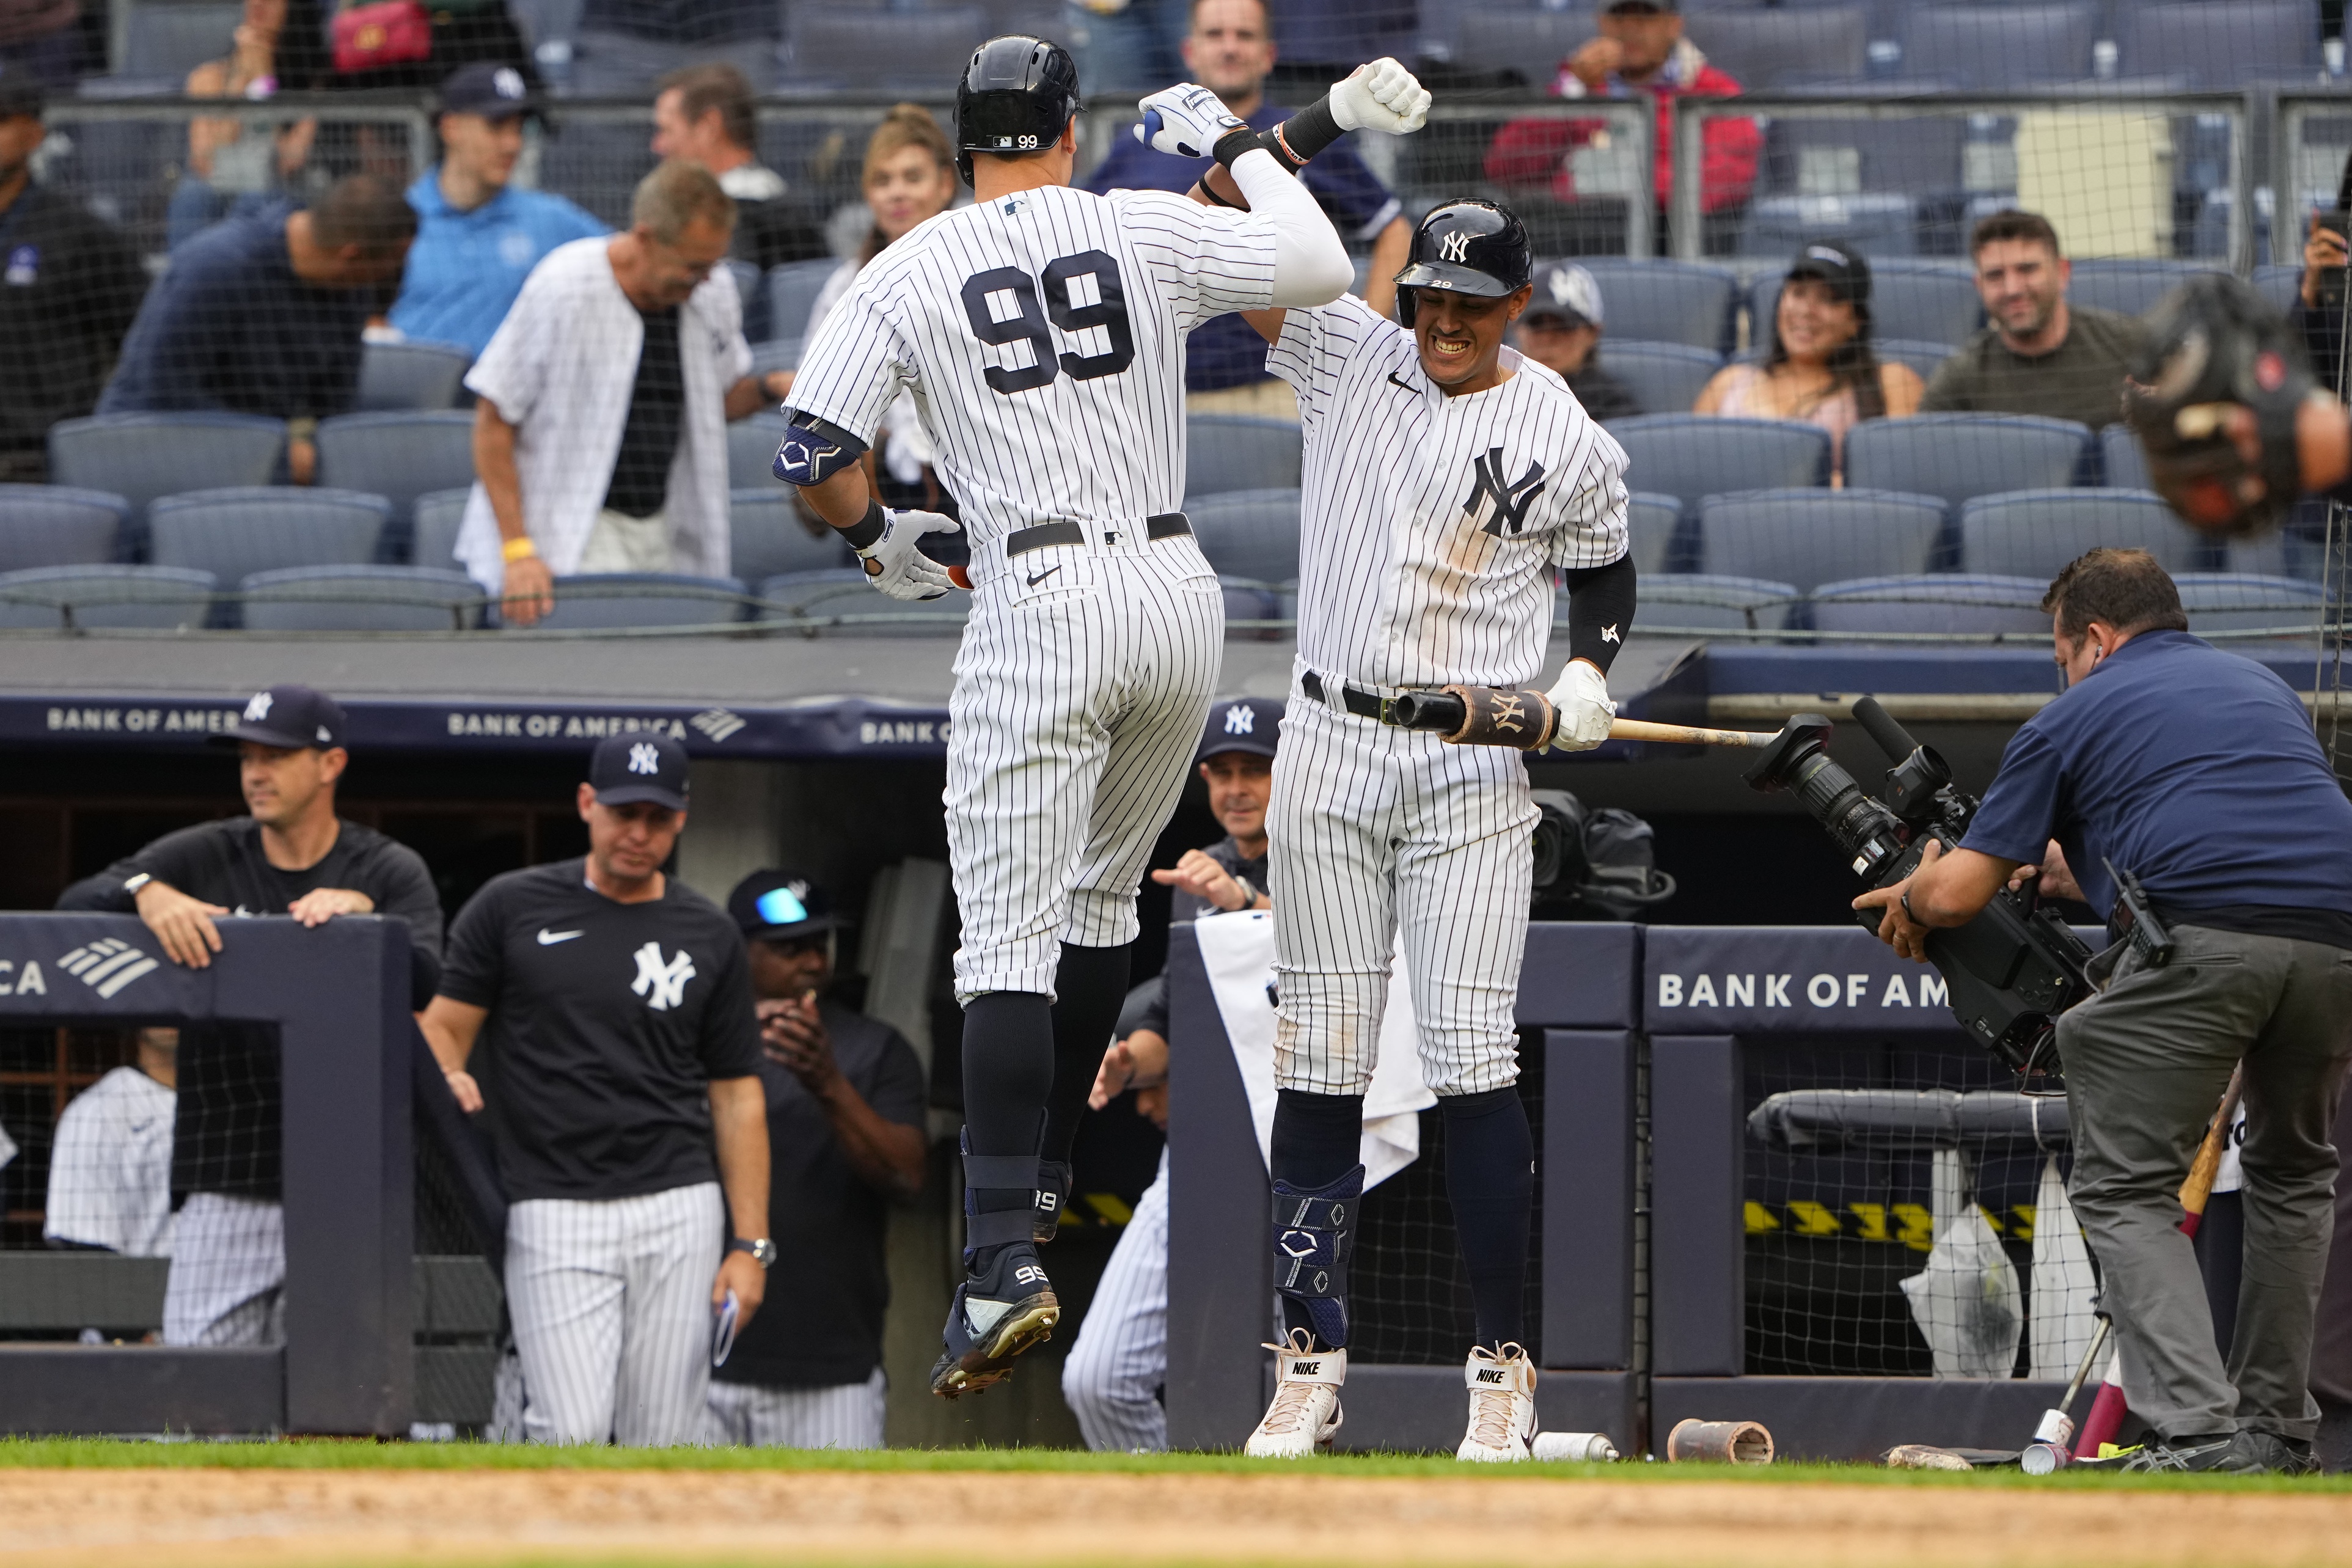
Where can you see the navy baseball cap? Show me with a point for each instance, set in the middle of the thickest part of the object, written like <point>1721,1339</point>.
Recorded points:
<point>782,904</point>
<point>492,92</point>
<point>1252,724</point>
<point>1567,292</point>
<point>1845,270</point>
<point>293,718</point>
<point>638,766</point>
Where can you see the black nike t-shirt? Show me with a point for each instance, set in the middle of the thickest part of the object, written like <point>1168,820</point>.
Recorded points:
<point>607,1022</point>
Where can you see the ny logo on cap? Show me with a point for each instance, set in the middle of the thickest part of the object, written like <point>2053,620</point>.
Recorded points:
<point>1455,246</point>
<point>663,985</point>
<point>258,709</point>
<point>506,82</point>
<point>1241,720</point>
<point>645,758</point>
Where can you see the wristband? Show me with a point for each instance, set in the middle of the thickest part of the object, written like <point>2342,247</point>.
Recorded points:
<point>521,548</point>
<point>1904,898</point>
<point>862,533</point>
<point>1209,191</point>
<point>1296,140</point>
<point>1234,144</point>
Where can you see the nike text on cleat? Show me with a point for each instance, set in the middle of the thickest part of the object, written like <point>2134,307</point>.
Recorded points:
<point>550,938</point>
<point>1502,1387</point>
<point>996,1315</point>
<point>1304,1415</point>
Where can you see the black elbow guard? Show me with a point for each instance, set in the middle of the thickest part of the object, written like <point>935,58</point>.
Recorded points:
<point>813,450</point>
<point>1599,610</point>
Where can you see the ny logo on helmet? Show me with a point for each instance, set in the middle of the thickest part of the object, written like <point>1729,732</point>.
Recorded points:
<point>1500,507</point>
<point>1455,246</point>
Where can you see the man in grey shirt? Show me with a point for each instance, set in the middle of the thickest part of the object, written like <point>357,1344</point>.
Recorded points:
<point>2040,354</point>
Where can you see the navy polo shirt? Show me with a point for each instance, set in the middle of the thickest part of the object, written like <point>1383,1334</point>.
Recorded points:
<point>2198,772</point>
<point>1226,350</point>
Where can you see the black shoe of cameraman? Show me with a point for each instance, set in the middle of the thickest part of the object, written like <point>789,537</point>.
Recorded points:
<point>2279,1455</point>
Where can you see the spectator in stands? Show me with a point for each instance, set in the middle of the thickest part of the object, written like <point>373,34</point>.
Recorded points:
<point>845,1101</point>
<point>479,236</point>
<point>279,44</point>
<point>600,438</point>
<point>703,114</point>
<point>1560,330</point>
<point>263,314</point>
<point>1639,50</point>
<point>2320,321</point>
<point>1820,367</point>
<point>1122,44</point>
<point>1230,51</point>
<point>111,1167</point>
<point>70,285</point>
<point>289,855</point>
<point>2040,354</point>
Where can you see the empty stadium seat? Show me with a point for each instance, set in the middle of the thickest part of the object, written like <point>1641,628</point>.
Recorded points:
<point>2121,459</point>
<point>1924,358</point>
<point>1920,301</point>
<point>2232,601</point>
<point>1518,38</point>
<point>397,456</point>
<point>395,377</point>
<point>792,289</point>
<point>597,163</point>
<point>1664,378</point>
<point>1998,47</point>
<point>1699,602</point>
<point>2132,286</point>
<point>1235,452</point>
<point>163,40</point>
<point>751,450</point>
<point>1947,603</point>
<point>1247,601</point>
<point>612,600</point>
<point>1807,538</point>
<point>1691,456</point>
<point>768,538</point>
<point>140,457</point>
<point>360,599</point>
<point>439,516</point>
<point>1876,223</point>
<point>1667,302</point>
<point>2221,46</point>
<point>58,525</point>
<point>233,534</point>
<point>1650,523</point>
<point>1252,534</point>
<point>1922,155</point>
<point>2037,532</point>
<point>776,353</point>
<point>1777,48</point>
<point>842,600</point>
<point>110,598</point>
<point>844,48</point>
<point>1956,456</point>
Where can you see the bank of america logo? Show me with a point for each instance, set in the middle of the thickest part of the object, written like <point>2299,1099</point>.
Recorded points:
<point>716,722</point>
<point>107,965</point>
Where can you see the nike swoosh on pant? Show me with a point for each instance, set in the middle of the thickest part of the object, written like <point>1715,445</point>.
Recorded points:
<point>550,938</point>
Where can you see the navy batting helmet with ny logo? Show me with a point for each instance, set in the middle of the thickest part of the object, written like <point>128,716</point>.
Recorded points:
<point>1471,247</point>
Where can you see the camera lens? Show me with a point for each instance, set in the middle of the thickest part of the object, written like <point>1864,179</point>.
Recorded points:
<point>1864,829</point>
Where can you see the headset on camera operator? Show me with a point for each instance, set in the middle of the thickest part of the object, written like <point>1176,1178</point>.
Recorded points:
<point>2195,773</point>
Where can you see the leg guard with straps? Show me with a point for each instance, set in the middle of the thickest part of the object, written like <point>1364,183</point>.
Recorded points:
<point>1009,1184</point>
<point>1314,1233</point>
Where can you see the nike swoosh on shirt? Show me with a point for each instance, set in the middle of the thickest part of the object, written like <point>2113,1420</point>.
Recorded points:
<point>1403,385</point>
<point>550,938</point>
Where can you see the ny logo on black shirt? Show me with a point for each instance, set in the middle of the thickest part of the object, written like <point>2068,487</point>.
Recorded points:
<point>663,985</point>
<point>1505,503</point>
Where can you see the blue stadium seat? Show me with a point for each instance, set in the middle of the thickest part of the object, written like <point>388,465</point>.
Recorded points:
<point>597,163</point>
<point>1921,156</point>
<point>1947,604</point>
<point>58,525</point>
<point>1518,38</point>
<point>1235,452</point>
<point>792,289</point>
<point>1252,601</point>
<point>751,450</point>
<point>1664,378</point>
<point>2130,286</point>
<point>776,353</point>
<point>1691,456</point>
<point>2232,601</point>
<point>1956,456</point>
<point>836,48</point>
<point>397,456</point>
<point>843,601</point>
<point>2037,532</point>
<point>1699,602</point>
<point>1651,524</point>
<point>2280,284</point>
<point>140,457</point>
<point>164,42</point>
<point>398,377</point>
<point>1921,301</point>
<point>768,538</point>
<point>610,600</point>
<point>1251,534</point>
<point>2222,45</point>
<point>2121,459</point>
<point>360,599</point>
<point>1876,223</point>
<point>1666,301</point>
<point>1999,46</point>
<point>1775,49</point>
<point>439,516</point>
<point>1923,357</point>
<point>1807,538</point>
<point>751,295</point>
<point>109,598</point>
<point>233,534</point>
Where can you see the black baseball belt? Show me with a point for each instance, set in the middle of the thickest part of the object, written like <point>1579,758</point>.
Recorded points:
<point>1363,704</point>
<point>1159,525</point>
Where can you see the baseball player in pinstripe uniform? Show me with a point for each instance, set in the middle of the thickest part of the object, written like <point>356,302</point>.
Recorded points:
<point>1042,331</point>
<point>1447,478</point>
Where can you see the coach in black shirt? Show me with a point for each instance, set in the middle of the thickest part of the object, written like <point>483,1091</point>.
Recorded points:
<point>621,1062</point>
<point>845,1135</point>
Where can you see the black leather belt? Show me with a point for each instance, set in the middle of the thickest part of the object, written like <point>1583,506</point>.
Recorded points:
<point>1159,525</point>
<point>1354,699</point>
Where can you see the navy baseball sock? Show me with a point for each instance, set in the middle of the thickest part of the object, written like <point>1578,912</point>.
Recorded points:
<point>1089,986</point>
<point>1008,1071</point>
<point>1318,1139</point>
<point>1490,1178</point>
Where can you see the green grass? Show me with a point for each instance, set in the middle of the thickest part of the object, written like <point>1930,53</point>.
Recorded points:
<point>313,1454</point>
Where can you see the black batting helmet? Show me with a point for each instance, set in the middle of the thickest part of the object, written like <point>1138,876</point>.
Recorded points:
<point>1470,246</point>
<point>1017,95</point>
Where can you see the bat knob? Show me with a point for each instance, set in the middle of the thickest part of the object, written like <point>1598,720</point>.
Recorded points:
<point>961,578</point>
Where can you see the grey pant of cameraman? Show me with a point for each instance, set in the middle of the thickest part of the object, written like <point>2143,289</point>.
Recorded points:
<point>2146,1061</point>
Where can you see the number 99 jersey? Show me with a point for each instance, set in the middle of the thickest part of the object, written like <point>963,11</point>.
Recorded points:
<point>1043,336</point>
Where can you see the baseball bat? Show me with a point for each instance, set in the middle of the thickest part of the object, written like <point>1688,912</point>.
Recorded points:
<point>1527,721</point>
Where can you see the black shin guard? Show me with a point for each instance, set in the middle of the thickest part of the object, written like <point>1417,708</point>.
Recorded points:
<point>1317,1149</point>
<point>1089,986</point>
<point>1490,1180</point>
<point>1008,1071</point>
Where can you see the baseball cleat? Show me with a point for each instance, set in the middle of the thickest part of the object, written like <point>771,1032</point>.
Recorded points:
<point>1502,1387</point>
<point>1304,1415</point>
<point>993,1319</point>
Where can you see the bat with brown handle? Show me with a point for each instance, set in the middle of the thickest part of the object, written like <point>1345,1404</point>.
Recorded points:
<point>1526,719</point>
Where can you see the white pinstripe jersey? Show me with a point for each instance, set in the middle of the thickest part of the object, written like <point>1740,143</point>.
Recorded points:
<point>1430,524</point>
<point>1042,334</point>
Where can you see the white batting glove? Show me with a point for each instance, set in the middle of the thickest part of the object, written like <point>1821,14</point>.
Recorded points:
<point>1382,96</point>
<point>1186,119</point>
<point>1581,695</point>
<point>896,567</point>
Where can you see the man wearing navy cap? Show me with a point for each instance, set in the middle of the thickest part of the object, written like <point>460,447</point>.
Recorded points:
<point>620,1067</point>
<point>845,1098</point>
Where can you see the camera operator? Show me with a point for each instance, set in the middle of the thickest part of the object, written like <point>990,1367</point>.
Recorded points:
<point>2197,772</point>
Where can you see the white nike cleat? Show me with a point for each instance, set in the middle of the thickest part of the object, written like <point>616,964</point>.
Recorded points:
<point>1502,1407</point>
<point>1305,1413</point>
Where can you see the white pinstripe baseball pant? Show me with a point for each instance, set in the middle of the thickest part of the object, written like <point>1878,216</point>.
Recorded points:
<point>611,1304</point>
<point>1112,1378</point>
<point>1374,826</point>
<point>847,1415</point>
<point>227,1283</point>
<point>1080,689</point>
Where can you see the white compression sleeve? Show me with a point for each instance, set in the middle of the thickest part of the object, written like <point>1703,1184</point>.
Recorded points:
<point>1310,264</point>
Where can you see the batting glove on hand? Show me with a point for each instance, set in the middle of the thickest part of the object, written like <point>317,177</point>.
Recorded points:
<point>1186,119</point>
<point>896,564</point>
<point>1581,695</point>
<point>1382,96</point>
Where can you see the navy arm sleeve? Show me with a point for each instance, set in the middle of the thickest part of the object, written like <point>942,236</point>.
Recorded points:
<point>1599,610</point>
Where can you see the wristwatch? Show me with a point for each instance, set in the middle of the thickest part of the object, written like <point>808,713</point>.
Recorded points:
<point>762,1251</point>
<point>132,885</point>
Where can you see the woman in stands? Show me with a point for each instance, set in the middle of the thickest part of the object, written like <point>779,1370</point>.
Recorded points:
<point>1819,368</point>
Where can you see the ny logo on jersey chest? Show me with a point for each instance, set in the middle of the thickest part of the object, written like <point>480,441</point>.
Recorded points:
<point>662,984</point>
<point>1497,506</point>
